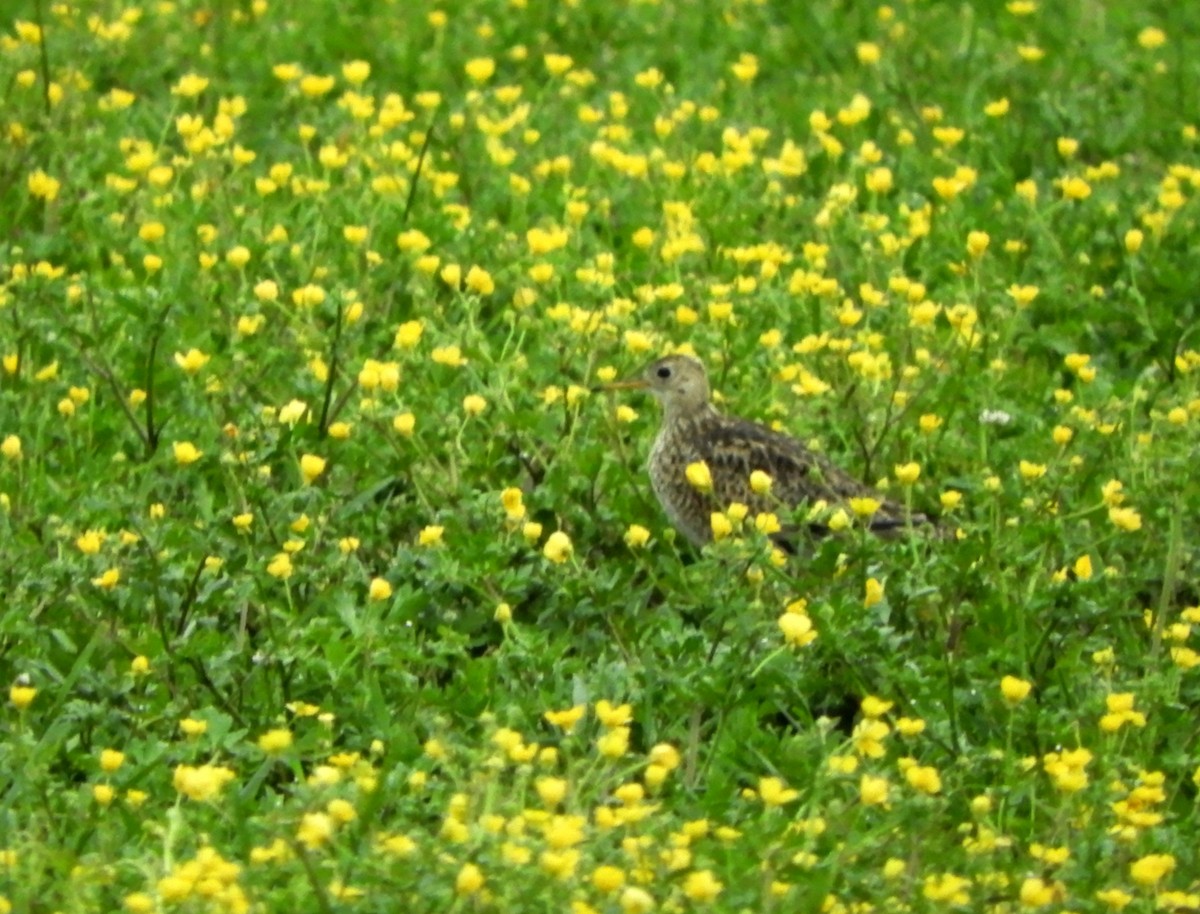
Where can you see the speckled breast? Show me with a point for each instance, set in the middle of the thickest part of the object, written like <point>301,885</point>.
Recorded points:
<point>688,510</point>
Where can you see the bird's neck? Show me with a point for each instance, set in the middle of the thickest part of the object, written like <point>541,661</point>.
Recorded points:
<point>683,414</point>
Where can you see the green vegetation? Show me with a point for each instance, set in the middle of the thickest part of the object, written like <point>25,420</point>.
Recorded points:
<point>329,581</point>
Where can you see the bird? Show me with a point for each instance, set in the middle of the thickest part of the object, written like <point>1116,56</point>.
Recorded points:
<point>694,431</point>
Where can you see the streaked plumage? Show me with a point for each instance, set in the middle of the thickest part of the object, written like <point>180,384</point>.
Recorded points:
<point>694,430</point>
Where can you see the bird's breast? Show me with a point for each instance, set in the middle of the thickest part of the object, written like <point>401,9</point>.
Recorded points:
<point>688,510</point>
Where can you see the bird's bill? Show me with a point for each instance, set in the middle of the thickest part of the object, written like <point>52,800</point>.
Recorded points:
<point>628,384</point>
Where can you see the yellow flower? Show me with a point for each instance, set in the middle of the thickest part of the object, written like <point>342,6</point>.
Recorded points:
<point>907,473</point>
<point>473,404</point>
<point>201,782</point>
<point>636,900</point>
<point>448,355</point>
<point>292,412</point>
<point>1067,769</point>
<point>614,743</point>
<point>701,886</point>
<point>191,361</point>
<point>192,728</point>
<point>42,186</point>
<point>480,281</point>
<point>10,447</point>
<point>773,792</point>
<point>566,720</point>
<point>864,506</point>
<point>408,334</point>
<point>315,829</point>
<point>151,232</point>
<point>356,72</point>
<point>1149,870</point>
<point>720,524</point>
<point>873,791</point>
<point>1112,493</point>
<point>1036,892</point>
<point>1023,296</point>
<point>760,482</point>
<point>186,453</point>
<point>636,536</point>
<point>551,791</point>
<point>977,243</point>
<point>308,296</point>
<point>699,477</point>
<point>139,903</point>
<point>311,466</point>
<point>611,715</point>
<point>797,629</point>
<point>950,499</point>
<point>431,535</point>
<point>108,580</point>
<point>1151,37</point>
<point>909,726</point>
<point>21,696</point>
<point>480,69</point>
<point>404,423</point>
<point>379,589</point>
<point>314,86</point>
<point>924,779</point>
<point>767,523</point>
<point>947,887</point>
<point>607,878</point>
<point>867,52</point>
<point>355,234</point>
<point>1031,471</point>
<point>1014,690</point>
<point>1114,898</point>
<point>413,240</point>
<point>512,501</point>
<point>558,547</point>
<point>1133,240</point>
<point>1125,519</point>
<point>190,85</point>
<point>274,742</point>
<point>873,593</point>
<point>880,180</point>
<point>1075,188</point>
<point>111,760</point>
<point>280,566</point>
<point>746,67</point>
<point>875,707</point>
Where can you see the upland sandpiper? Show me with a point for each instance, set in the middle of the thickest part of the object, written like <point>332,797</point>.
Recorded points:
<point>693,431</point>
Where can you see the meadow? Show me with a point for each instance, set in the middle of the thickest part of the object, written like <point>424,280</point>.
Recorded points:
<point>331,580</point>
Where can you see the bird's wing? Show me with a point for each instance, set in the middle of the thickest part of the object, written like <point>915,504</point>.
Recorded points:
<point>737,447</point>
<point>734,448</point>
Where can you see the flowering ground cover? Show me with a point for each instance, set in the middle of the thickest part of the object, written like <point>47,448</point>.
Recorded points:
<point>330,582</point>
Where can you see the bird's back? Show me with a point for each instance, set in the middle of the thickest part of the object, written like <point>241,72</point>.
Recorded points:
<point>734,448</point>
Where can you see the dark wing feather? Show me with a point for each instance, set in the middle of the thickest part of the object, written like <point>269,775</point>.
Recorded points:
<point>734,448</point>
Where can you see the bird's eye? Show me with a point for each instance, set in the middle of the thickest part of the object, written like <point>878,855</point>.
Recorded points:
<point>663,372</point>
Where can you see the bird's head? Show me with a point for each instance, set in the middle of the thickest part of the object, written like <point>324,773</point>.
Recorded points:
<point>678,382</point>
